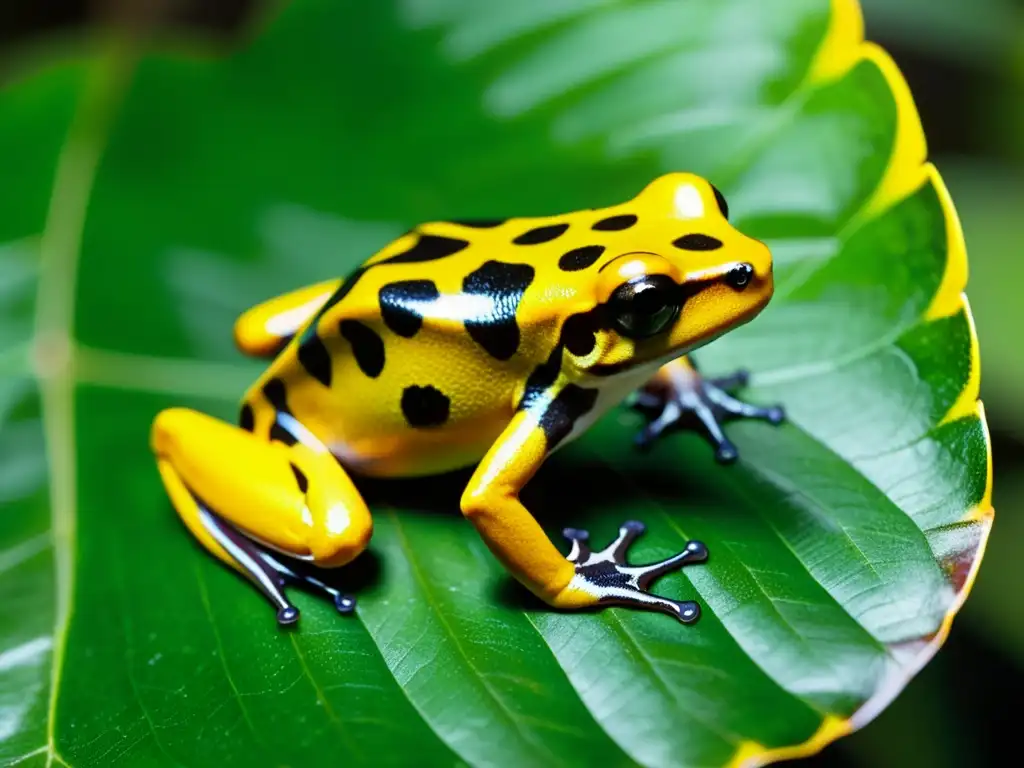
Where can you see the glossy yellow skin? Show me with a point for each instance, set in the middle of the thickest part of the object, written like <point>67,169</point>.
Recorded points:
<point>500,394</point>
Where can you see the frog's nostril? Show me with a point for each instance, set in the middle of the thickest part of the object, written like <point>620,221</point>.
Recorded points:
<point>739,277</point>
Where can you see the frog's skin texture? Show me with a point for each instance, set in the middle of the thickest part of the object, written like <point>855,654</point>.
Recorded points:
<point>487,343</point>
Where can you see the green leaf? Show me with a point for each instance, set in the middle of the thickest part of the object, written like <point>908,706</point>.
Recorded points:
<point>155,197</point>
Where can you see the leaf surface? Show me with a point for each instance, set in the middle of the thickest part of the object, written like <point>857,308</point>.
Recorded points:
<point>157,196</point>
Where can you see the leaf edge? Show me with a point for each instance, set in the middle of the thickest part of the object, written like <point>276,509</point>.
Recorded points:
<point>843,48</point>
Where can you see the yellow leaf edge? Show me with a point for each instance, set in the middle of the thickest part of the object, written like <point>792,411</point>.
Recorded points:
<point>843,48</point>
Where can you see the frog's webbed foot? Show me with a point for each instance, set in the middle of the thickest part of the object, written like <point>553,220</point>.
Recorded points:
<point>607,576</point>
<point>686,396</point>
<point>271,572</point>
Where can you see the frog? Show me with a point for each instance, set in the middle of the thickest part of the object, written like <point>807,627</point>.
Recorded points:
<point>483,345</point>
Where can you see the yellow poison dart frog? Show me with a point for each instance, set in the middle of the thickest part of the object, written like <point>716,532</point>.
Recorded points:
<point>461,343</point>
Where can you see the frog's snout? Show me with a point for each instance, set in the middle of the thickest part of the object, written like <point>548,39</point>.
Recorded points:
<point>753,269</point>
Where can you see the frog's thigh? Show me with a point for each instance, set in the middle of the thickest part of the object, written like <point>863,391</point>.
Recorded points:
<point>491,503</point>
<point>263,330</point>
<point>292,498</point>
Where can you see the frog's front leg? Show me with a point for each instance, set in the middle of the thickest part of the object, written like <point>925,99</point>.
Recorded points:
<point>678,391</point>
<point>260,504</point>
<point>264,330</point>
<point>584,578</point>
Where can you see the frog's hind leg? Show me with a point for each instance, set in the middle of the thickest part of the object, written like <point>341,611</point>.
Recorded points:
<point>678,392</point>
<point>261,505</point>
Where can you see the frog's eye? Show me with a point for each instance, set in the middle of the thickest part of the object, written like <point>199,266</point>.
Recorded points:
<point>645,306</point>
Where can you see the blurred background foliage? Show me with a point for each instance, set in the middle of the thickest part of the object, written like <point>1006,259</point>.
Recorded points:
<point>964,60</point>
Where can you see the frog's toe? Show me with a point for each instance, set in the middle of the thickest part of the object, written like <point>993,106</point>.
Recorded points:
<point>610,580</point>
<point>344,603</point>
<point>737,408</point>
<point>671,414</point>
<point>684,611</point>
<point>292,571</point>
<point>580,548</point>
<point>616,551</point>
<point>726,452</point>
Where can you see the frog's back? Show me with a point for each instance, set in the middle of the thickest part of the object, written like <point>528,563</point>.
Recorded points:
<point>420,359</point>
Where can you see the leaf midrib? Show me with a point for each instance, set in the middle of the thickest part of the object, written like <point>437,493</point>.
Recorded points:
<point>59,252</point>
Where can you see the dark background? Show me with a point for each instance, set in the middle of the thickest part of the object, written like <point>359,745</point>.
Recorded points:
<point>964,60</point>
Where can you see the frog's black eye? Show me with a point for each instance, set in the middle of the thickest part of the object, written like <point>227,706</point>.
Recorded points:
<point>645,306</point>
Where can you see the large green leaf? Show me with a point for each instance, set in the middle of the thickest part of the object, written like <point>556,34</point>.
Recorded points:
<point>150,199</point>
